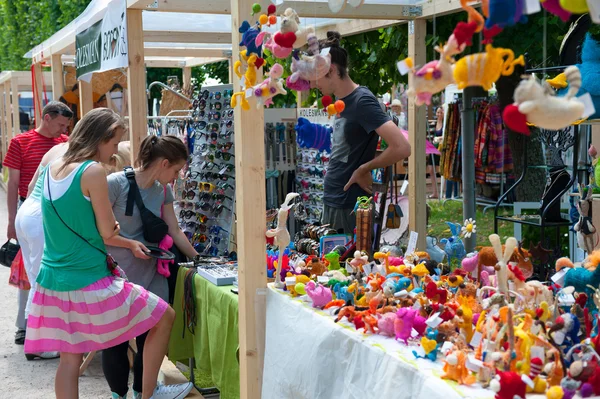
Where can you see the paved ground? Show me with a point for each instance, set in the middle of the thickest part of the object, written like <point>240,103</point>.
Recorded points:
<point>20,378</point>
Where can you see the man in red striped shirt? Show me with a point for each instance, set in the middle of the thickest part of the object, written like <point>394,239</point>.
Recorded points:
<point>22,159</point>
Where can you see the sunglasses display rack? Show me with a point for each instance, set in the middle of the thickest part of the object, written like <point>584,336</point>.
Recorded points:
<point>206,193</point>
<point>310,171</point>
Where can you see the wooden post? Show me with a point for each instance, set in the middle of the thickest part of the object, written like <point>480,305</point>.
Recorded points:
<point>416,137</point>
<point>86,97</point>
<point>39,89</point>
<point>14,86</point>
<point>187,78</point>
<point>9,114</point>
<point>58,86</point>
<point>251,215</point>
<point>136,82</point>
<point>230,63</point>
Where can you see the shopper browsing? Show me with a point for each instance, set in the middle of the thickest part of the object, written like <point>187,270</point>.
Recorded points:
<point>158,164</point>
<point>24,154</point>
<point>79,305</point>
<point>354,141</point>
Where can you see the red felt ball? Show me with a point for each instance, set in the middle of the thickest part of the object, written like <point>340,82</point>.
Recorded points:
<point>272,9</point>
<point>515,120</point>
<point>326,101</point>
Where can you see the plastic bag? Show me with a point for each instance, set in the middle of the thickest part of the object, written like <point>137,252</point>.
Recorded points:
<point>18,276</point>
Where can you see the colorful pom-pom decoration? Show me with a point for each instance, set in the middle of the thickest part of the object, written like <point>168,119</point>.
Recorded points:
<point>326,101</point>
<point>255,8</point>
<point>339,106</point>
<point>263,19</point>
<point>272,9</point>
<point>272,19</point>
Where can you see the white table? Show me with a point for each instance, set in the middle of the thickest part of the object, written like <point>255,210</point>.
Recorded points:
<point>308,356</point>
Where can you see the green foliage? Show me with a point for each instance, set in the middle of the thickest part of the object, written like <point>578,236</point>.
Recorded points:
<point>27,23</point>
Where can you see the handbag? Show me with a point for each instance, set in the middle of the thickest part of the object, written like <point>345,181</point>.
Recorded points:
<point>8,252</point>
<point>394,212</point>
<point>18,276</point>
<point>111,263</point>
<point>154,228</point>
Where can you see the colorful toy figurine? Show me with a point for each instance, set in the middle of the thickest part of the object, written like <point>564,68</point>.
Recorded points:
<point>484,69</point>
<point>454,247</point>
<point>281,234</point>
<point>319,294</point>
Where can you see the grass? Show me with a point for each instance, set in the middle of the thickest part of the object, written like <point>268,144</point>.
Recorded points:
<point>452,211</point>
<point>201,379</point>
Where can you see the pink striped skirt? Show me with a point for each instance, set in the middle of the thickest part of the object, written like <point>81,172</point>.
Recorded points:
<point>99,316</point>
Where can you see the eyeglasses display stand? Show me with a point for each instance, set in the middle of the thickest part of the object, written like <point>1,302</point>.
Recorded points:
<point>206,193</point>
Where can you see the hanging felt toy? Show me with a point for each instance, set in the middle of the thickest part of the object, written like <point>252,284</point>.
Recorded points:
<point>290,35</point>
<point>274,48</point>
<point>504,13</point>
<point>584,226</point>
<point>542,108</point>
<point>432,77</point>
<point>249,81</point>
<point>483,69</point>
<point>554,7</point>
<point>313,135</point>
<point>331,107</point>
<point>313,66</point>
<point>338,5</point>
<point>269,88</point>
<point>249,34</point>
<point>575,6</point>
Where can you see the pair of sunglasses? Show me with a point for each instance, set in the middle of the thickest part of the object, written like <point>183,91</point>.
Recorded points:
<point>218,146</point>
<point>216,176</point>
<point>214,196</point>
<point>216,106</point>
<point>216,230</point>
<point>214,95</point>
<point>220,154</point>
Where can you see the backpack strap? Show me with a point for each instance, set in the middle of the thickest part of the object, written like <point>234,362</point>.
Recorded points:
<point>133,194</point>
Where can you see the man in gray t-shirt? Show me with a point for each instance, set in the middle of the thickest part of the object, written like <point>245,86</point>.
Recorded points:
<point>139,271</point>
<point>356,133</point>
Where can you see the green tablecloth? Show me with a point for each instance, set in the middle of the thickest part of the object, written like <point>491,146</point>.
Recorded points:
<point>215,341</point>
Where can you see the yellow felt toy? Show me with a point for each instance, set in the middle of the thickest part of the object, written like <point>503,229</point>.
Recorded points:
<point>559,81</point>
<point>249,81</point>
<point>484,69</point>
<point>574,6</point>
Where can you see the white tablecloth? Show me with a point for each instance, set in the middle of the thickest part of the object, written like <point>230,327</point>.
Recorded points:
<point>308,356</point>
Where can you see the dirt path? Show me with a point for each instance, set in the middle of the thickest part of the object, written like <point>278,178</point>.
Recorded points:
<point>32,379</point>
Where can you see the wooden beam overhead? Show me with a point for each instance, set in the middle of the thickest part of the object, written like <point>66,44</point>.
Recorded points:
<point>187,37</point>
<point>355,27</point>
<point>185,52</point>
<point>304,8</point>
<point>439,8</point>
<point>203,61</point>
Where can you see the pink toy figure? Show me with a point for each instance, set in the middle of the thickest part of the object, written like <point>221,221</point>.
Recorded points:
<point>404,323</point>
<point>319,294</point>
<point>419,324</point>
<point>386,324</point>
<point>553,7</point>
<point>470,262</point>
<point>396,260</point>
<point>162,265</point>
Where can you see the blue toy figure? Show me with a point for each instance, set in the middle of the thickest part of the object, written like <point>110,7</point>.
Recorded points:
<point>249,34</point>
<point>454,246</point>
<point>430,349</point>
<point>505,13</point>
<point>582,280</point>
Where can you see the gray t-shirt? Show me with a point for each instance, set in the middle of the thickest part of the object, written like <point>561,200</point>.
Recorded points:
<point>353,143</point>
<point>139,271</point>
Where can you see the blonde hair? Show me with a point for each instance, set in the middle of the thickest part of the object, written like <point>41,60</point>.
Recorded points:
<point>98,126</point>
<point>121,159</point>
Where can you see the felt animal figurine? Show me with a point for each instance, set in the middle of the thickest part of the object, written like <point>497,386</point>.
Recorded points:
<point>281,234</point>
<point>433,293</point>
<point>403,324</point>
<point>430,345</point>
<point>455,368</point>
<point>316,267</point>
<point>584,227</point>
<point>319,294</point>
<point>483,69</point>
<point>454,247</point>
<point>395,283</point>
<point>249,34</point>
<point>385,324</point>
<point>584,280</point>
<point>464,315</point>
<point>290,22</point>
<point>334,262</point>
<point>435,252</point>
<point>470,262</point>
<point>338,5</point>
<point>432,77</point>
<point>162,265</point>
<point>249,82</point>
<point>554,7</point>
<point>270,87</point>
<point>502,265</point>
<point>270,44</point>
<point>505,13</point>
<point>542,108</point>
<point>360,259</point>
<point>313,66</point>
<point>508,385</point>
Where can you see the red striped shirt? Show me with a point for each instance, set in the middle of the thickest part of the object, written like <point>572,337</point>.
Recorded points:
<point>25,153</point>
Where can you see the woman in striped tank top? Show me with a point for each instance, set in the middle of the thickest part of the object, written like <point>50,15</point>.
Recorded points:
<point>79,306</point>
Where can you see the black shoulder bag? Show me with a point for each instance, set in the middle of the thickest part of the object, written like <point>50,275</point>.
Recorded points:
<point>111,263</point>
<point>155,229</point>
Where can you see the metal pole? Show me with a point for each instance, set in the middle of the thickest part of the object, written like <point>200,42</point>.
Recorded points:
<point>468,160</point>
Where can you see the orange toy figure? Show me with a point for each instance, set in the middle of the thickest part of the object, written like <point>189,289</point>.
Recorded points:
<point>455,368</point>
<point>464,316</point>
<point>335,304</point>
<point>386,261</point>
<point>316,267</point>
<point>375,282</point>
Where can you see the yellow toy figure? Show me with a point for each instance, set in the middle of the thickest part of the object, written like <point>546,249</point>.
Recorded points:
<point>249,80</point>
<point>464,316</point>
<point>270,87</point>
<point>484,69</point>
<point>455,368</point>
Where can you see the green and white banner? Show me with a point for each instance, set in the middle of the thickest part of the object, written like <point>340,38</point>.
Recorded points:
<point>103,46</point>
